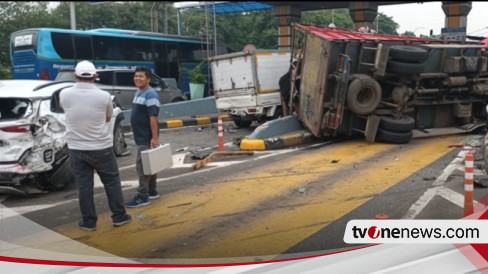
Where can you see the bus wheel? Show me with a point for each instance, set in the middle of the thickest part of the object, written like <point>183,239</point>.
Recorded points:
<point>363,95</point>
<point>239,122</point>
<point>404,124</point>
<point>409,54</point>
<point>393,137</point>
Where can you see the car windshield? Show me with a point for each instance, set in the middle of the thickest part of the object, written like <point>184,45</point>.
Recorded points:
<point>65,76</point>
<point>13,108</point>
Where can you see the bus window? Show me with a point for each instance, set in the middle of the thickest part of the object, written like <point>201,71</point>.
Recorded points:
<point>191,52</point>
<point>63,45</point>
<point>108,48</point>
<point>137,50</point>
<point>24,41</point>
<point>83,47</point>
<point>166,62</point>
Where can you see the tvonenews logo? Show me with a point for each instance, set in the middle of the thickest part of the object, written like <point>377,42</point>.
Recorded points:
<point>416,231</point>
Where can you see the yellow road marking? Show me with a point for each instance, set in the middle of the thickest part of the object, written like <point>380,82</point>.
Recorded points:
<point>260,212</point>
<point>174,123</point>
<point>203,120</point>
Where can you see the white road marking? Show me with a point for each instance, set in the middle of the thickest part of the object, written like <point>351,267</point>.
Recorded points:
<point>452,196</point>
<point>13,211</point>
<point>429,194</point>
<point>438,188</point>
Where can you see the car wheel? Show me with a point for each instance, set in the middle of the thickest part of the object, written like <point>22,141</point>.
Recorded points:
<point>241,123</point>
<point>119,140</point>
<point>177,100</point>
<point>61,175</point>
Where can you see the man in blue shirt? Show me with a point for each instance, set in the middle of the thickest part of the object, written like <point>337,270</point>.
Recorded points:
<point>144,123</point>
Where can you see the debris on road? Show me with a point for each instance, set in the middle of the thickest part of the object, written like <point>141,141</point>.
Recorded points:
<point>182,149</point>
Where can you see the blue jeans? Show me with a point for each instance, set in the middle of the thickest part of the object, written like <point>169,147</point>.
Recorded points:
<point>146,182</point>
<point>83,163</point>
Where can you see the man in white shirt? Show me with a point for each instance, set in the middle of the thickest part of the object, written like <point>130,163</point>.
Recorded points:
<point>88,109</point>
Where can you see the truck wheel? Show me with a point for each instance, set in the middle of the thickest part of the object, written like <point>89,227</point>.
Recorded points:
<point>241,123</point>
<point>404,124</point>
<point>61,175</point>
<point>393,137</point>
<point>119,139</point>
<point>363,95</point>
<point>405,68</point>
<point>409,54</point>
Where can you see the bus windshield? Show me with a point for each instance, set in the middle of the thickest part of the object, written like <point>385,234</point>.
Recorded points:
<point>40,53</point>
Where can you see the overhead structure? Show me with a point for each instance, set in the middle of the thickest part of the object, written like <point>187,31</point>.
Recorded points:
<point>363,13</point>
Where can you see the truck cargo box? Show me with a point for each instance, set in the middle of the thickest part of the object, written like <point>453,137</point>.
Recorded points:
<point>246,83</point>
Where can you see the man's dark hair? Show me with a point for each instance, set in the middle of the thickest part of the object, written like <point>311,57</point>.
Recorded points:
<point>146,71</point>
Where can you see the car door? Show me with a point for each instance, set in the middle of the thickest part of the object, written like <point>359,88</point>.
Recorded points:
<point>161,88</point>
<point>124,88</point>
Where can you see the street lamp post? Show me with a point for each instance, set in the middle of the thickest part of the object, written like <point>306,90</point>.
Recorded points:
<point>72,15</point>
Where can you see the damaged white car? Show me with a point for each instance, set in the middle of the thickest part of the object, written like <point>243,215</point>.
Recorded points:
<point>33,149</point>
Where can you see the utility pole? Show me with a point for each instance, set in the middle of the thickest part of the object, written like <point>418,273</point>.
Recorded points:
<point>72,15</point>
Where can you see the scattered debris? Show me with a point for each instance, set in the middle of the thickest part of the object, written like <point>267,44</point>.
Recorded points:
<point>141,216</point>
<point>182,204</point>
<point>396,158</point>
<point>182,149</point>
<point>232,131</point>
<point>237,141</point>
<point>200,156</point>
<point>177,215</point>
<point>481,182</point>
<point>335,161</point>
<point>301,190</point>
<point>430,178</point>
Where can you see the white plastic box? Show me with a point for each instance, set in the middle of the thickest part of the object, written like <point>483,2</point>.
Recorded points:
<point>156,159</point>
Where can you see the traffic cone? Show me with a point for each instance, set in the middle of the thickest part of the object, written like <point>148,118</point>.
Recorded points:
<point>468,184</point>
<point>221,134</point>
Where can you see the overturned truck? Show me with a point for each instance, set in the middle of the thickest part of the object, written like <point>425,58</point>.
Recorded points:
<point>386,87</point>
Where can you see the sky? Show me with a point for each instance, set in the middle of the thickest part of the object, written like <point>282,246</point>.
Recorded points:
<point>421,18</point>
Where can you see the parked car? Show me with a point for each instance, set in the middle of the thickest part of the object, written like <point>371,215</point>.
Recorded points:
<point>120,83</point>
<point>33,149</point>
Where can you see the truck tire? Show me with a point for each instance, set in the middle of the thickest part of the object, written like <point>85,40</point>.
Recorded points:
<point>363,95</point>
<point>405,68</point>
<point>408,54</point>
<point>404,124</point>
<point>239,122</point>
<point>393,137</point>
<point>61,175</point>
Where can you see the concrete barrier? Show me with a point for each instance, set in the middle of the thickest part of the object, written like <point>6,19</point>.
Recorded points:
<point>197,107</point>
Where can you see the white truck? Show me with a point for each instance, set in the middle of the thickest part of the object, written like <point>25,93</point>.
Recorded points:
<point>246,84</point>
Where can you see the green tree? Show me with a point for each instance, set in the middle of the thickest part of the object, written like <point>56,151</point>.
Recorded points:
<point>235,29</point>
<point>408,33</point>
<point>342,19</point>
<point>16,16</point>
<point>385,24</point>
